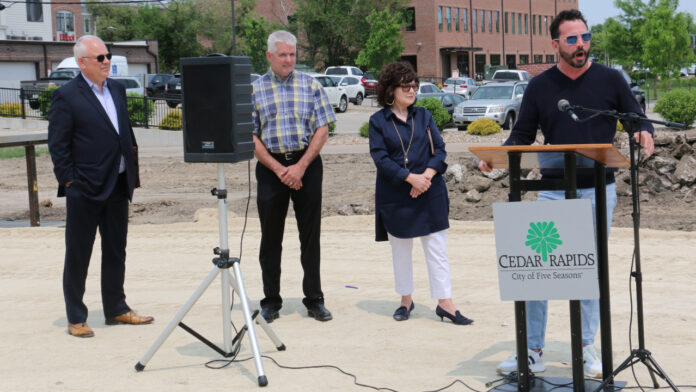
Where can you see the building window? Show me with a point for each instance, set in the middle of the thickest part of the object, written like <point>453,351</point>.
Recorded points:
<point>65,22</point>
<point>449,19</point>
<point>474,24</point>
<point>524,59</point>
<point>550,59</point>
<point>533,24</point>
<point>490,21</point>
<point>465,20</point>
<point>526,24</point>
<point>483,21</point>
<point>541,31</point>
<point>439,18</point>
<point>512,18</point>
<point>495,59</point>
<point>546,24</point>
<point>497,21</point>
<point>410,19</point>
<point>519,23</point>
<point>537,58</point>
<point>456,18</point>
<point>34,11</point>
<point>506,23</point>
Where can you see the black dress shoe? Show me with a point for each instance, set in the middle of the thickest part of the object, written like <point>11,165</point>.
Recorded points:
<point>269,314</point>
<point>319,312</point>
<point>457,318</point>
<point>402,313</point>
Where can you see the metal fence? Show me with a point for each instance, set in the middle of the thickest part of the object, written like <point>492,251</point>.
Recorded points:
<point>160,112</point>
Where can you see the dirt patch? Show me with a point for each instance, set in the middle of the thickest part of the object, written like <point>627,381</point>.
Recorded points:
<point>173,190</point>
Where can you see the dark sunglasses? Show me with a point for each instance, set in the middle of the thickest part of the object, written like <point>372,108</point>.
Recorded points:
<point>99,58</point>
<point>407,87</point>
<point>573,39</point>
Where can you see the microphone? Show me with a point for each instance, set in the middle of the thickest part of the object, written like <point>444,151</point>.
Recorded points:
<point>564,106</point>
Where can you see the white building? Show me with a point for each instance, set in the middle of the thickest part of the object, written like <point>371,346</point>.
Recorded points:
<point>26,21</point>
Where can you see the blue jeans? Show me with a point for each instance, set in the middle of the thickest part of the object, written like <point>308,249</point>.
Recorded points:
<point>537,311</point>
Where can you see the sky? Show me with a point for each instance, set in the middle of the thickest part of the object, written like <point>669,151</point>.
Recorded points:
<point>596,11</point>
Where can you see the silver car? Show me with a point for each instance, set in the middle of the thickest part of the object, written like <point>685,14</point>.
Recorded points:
<point>498,101</point>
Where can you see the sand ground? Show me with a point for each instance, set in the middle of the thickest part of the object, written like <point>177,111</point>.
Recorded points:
<point>167,262</point>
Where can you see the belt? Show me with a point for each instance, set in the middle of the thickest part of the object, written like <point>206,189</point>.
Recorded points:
<point>289,156</point>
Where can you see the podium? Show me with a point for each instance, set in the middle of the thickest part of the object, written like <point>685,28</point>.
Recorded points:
<point>597,157</point>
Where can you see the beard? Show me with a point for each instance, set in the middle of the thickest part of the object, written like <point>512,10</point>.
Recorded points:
<point>570,58</point>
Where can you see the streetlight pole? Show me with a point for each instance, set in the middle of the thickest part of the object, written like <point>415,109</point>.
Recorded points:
<point>234,33</point>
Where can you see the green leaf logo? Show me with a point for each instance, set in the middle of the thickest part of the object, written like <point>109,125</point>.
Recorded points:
<point>543,238</point>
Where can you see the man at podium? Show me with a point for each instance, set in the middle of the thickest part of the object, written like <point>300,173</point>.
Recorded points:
<point>578,81</point>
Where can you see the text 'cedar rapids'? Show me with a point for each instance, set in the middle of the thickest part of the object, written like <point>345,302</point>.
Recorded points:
<point>567,260</point>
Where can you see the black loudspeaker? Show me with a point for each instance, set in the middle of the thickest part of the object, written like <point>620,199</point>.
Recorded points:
<point>217,109</point>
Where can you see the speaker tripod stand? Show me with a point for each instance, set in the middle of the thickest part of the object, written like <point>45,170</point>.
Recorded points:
<point>222,264</point>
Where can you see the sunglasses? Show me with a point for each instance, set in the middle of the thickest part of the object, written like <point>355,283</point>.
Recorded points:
<point>407,87</point>
<point>99,58</point>
<point>573,39</point>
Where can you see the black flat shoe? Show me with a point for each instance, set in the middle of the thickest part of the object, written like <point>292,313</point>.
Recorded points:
<point>402,313</point>
<point>319,312</point>
<point>269,314</point>
<point>458,318</point>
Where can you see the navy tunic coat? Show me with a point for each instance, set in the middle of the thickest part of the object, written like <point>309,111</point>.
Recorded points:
<point>396,212</point>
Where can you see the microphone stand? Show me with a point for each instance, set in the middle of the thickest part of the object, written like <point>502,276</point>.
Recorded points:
<point>641,354</point>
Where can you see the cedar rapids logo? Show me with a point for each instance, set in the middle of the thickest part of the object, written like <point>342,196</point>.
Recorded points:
<point>543,238</point>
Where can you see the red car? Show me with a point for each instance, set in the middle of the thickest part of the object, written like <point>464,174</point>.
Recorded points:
<point>369,82</point>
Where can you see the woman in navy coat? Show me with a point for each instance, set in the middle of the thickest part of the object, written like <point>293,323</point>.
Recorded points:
<point>411,197</point>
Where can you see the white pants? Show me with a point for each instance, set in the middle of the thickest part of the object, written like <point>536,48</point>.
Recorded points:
<point>435,249</point>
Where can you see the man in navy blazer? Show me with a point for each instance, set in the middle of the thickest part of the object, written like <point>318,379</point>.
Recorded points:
<point>94,155</point>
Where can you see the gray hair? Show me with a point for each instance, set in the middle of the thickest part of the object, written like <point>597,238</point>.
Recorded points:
<point>80,48</point>
<point>280,36</point>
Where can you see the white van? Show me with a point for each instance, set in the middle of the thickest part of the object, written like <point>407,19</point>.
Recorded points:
<point>119,65</point>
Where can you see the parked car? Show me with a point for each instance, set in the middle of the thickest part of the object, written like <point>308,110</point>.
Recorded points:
<point>354,88</point>
<point>461,86</point>
<point>131,83</point>
<point>338,98</point>
<point>449,100</point>
<point>638,92</point>
<point>173,91</point>
<point>427,87</point>
<point>157,83</point>
<point>369,81</point>
<point>499,101</point>
<point>502,75</point>
<point>343,70</point>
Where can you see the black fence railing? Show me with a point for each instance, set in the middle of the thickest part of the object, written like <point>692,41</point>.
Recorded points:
<point>162,112</point>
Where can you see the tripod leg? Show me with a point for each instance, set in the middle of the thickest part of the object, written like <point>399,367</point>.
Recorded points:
<point>177,319</point>
<point>264,325</point>
<point>263,381</point>
<point>661,373</point>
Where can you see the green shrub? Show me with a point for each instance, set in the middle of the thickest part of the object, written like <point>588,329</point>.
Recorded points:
<point>172,120</point>
<point>45,98</point>
<point>332,128</point>
<point>10,109</point>
<point>678,105</point>
<point>139,108</point>
<point>483,126</point>
<point>439,113</point>
<point>365,130</point>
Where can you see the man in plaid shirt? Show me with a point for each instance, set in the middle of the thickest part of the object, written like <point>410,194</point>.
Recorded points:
<point>291,124</point>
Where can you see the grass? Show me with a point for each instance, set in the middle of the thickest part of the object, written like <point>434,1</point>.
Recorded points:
<point>18,152</point>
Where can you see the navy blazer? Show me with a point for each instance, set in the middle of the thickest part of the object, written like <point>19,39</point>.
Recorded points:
<point>84,145</point>
<point>396,212</point>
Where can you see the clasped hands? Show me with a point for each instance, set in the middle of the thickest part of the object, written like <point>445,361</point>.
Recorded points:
<point>420,182</point>
<point>291,176</point>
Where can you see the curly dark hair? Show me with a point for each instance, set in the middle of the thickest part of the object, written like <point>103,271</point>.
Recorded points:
<point>564,16</point>
<point>392,76</point>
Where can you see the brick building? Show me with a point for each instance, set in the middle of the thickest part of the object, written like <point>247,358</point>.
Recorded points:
<point>467,35</point>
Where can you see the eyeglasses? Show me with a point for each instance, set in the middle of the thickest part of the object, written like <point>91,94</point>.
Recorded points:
<point>99,58</point>
<point>573,39</point>
<point>407,87</point>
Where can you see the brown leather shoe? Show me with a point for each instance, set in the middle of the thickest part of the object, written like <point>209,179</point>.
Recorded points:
<point>80,330</point>
<point>130,318</point>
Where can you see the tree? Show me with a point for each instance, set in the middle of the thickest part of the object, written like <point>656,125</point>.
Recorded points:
<point>385,43</point>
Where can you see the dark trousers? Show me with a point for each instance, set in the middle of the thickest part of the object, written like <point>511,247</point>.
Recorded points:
<point>83,218</point>
<point>273,198</point>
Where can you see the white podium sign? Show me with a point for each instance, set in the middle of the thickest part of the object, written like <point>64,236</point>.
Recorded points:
<point>546,250</point>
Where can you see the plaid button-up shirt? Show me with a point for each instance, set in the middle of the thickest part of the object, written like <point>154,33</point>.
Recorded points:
<point>287,113</point>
